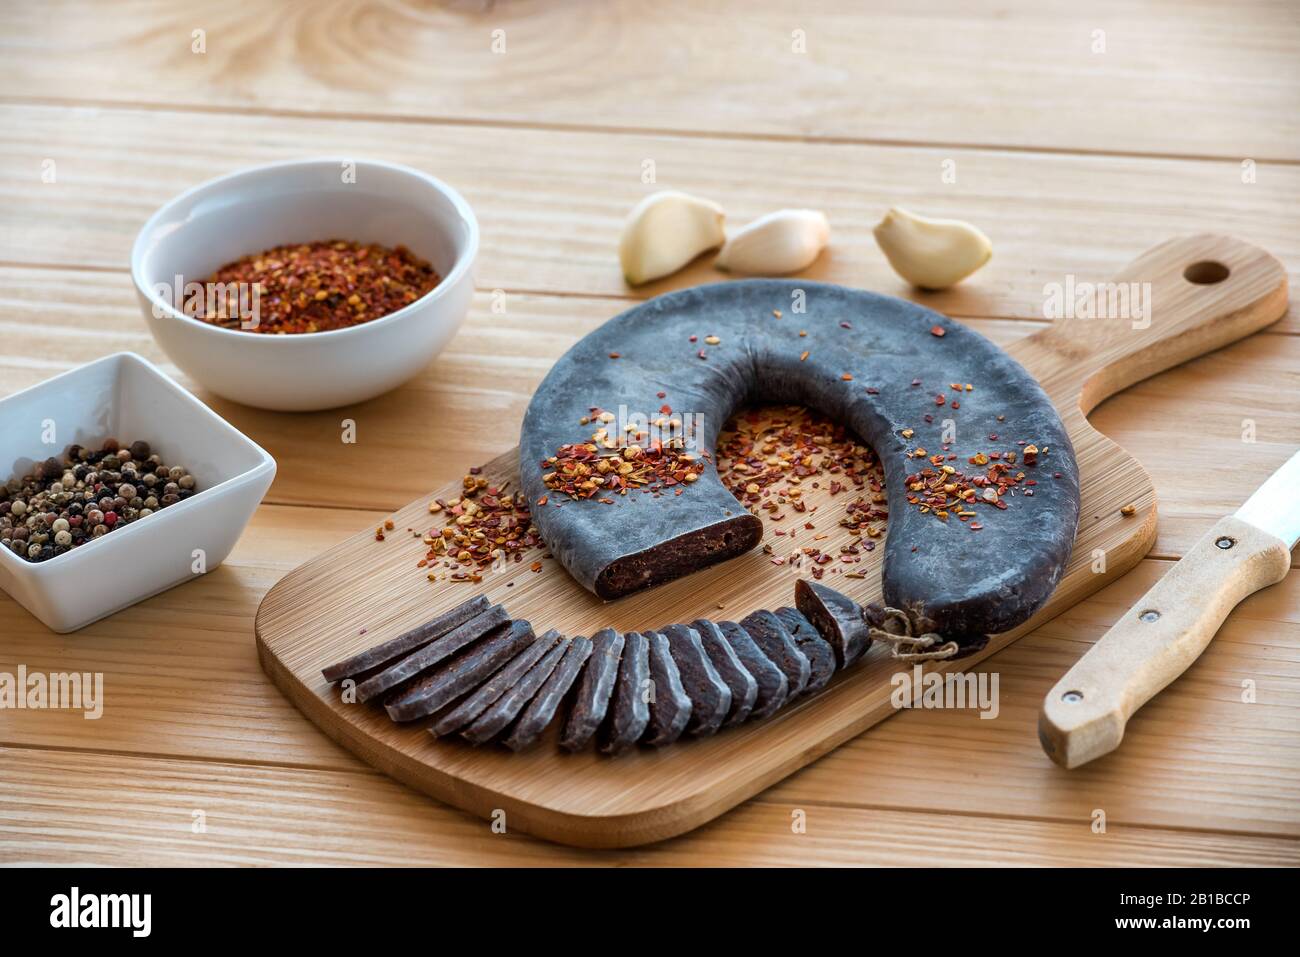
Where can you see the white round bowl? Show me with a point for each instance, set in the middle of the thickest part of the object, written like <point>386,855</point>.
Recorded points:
<point>301,201</point>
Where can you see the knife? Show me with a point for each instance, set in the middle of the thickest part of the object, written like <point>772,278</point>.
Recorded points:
<point>1083,717</point>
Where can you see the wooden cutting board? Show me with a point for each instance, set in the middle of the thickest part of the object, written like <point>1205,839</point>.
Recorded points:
<point>1205,292</point>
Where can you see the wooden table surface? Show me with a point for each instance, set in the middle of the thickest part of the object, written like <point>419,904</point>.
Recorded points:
<point>1079,136</point>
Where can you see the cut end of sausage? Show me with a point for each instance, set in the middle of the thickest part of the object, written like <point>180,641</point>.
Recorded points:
<point>679,556</point>
<point>839,619</point>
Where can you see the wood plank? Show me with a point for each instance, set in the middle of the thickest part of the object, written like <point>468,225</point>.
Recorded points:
<point>1198,78</point>
<point>53,320</point>
<point>1197,752</point>
<point>552,203</point>
<point>180,672</point>
<point>89,809</point>
<point>1214,762</point>
<point>1240,97</point>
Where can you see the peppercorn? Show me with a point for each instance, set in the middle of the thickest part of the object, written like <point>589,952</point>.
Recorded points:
<point>65,502</point>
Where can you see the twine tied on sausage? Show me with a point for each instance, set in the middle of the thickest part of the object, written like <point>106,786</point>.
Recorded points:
<point>911,636</point>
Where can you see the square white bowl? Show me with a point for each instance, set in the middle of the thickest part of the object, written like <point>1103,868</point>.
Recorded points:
<point>128,398</point>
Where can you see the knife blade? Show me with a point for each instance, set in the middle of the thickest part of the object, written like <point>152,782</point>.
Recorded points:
<point>1085,714</point>
<point>1275,506</point>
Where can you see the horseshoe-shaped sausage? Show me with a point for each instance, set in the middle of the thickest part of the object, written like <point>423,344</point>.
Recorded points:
<point>888,368</point>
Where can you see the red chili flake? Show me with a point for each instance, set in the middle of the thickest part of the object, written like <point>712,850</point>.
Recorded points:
<point>661,394</point>
<point>486,524</point>
<point>847,377</point>
<point>938,331</point>
<point>940,399</point>
<point>615,355</point>
<point>872,390</point>
<point>581,471</point>
<point>845,325</point>
<point>767,457</point>
<point>314,287</point>
<point>916,382</point>
<point>695,338</point>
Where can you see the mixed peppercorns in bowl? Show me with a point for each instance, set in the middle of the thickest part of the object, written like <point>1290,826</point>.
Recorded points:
<point>353,273</point>
<point>90,525</point>
<point>67,501</point>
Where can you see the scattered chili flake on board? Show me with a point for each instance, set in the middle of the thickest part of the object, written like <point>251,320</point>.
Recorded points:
<point>769,457</point>
<point>486,525</point>
<point>938,331</point>
<point>316,287</point>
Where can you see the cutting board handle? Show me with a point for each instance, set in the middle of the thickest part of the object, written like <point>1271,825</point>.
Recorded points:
<point>1178,300</point>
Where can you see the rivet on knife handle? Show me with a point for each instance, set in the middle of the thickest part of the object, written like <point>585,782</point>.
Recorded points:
<point>1084,716</point>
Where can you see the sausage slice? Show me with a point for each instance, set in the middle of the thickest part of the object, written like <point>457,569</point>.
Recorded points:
<point>595,690</point>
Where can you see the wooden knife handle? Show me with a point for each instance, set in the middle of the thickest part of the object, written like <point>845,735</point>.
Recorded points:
<point>1083,717</point>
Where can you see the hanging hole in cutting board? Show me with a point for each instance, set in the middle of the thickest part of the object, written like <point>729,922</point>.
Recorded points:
<point>1206,273</point>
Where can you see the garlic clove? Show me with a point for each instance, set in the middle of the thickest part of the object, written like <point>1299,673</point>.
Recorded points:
<point>781,242</point>
<point>665,231</point>
<point>931,253</point>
